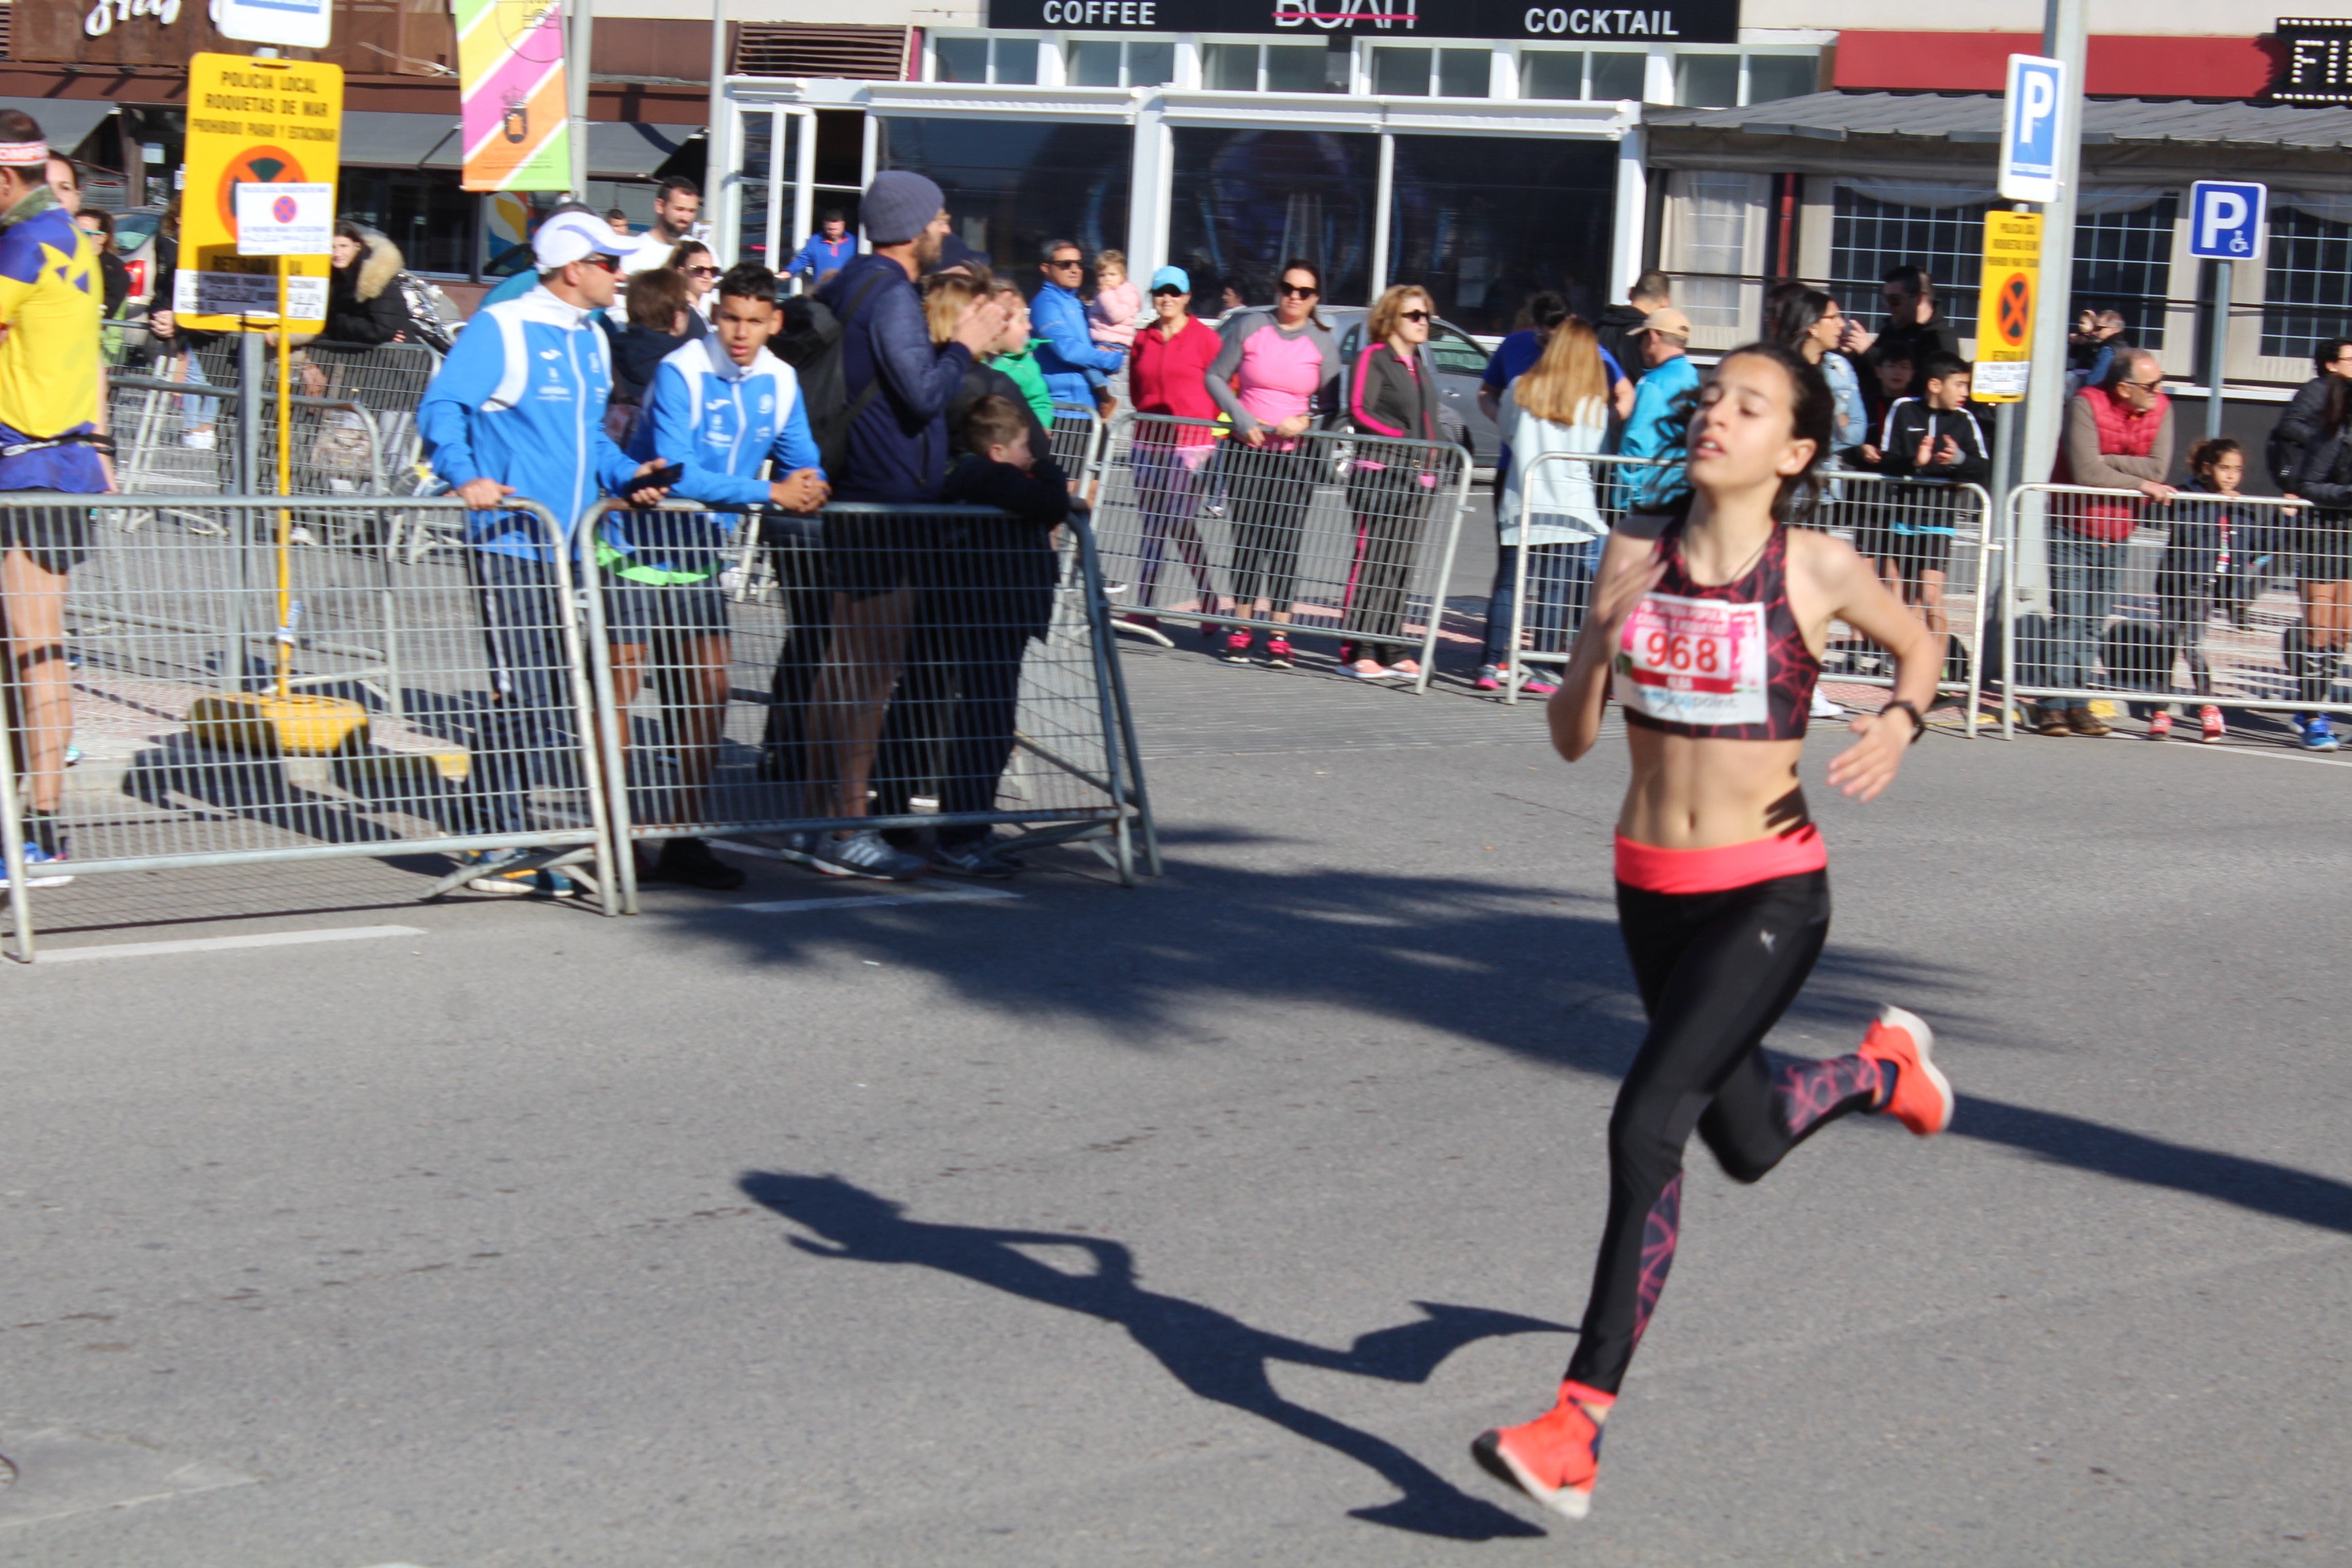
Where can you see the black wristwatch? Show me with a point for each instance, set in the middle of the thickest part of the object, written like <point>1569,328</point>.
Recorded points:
<point>1918,721</point>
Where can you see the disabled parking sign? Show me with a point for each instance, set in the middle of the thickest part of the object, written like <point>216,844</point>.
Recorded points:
<point>2227,219</point>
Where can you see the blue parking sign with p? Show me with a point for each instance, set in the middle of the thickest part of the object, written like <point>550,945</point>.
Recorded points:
<point>2033,120</point>
<point>2227,219</point>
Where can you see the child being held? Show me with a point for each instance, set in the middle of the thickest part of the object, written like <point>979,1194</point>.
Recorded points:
<point>1931,437</point>
<point>1111,313</point>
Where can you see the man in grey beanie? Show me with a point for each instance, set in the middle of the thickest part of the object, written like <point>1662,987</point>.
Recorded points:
<point>898,384</point>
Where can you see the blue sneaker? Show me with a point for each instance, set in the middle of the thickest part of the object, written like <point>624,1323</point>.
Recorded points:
<point>2317,736</point>
<point>46,849</point>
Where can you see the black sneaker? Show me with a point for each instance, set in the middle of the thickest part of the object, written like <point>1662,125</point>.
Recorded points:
<point>976,858</point>
<point>690,861</point>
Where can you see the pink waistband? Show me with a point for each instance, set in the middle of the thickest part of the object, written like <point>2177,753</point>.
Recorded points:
<point>1725,866</point>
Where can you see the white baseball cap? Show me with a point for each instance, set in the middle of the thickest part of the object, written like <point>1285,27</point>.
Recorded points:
<point>571,236</point>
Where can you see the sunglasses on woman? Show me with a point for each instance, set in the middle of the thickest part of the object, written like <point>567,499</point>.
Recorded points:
<point>1168,291</point>
<point>1292,291</point>
<point>702,272</point>
<point>1413,315</point>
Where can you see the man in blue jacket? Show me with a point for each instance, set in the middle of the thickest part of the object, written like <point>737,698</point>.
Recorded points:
<point>828,250</point>
<point>518,409</point>
<point>898,384</point>
<point>721,407</point>
<point>1661,422</point>
<point>1077,368</point>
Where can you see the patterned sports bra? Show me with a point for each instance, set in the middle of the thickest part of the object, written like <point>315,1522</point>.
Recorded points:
<point>1723,663</point>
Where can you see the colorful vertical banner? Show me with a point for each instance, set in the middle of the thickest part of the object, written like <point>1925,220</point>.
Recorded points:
<point>510,83</point>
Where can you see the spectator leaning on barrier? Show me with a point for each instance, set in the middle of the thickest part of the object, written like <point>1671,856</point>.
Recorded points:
<point>363,305</point>
<point>996,582</point>
<point>1077,369</point>
<point>1392,391</point>
<point>719,407</point>
<point>1169,376</point>
<point>1619,329</point>
<point>2298,428</point>
<point>826,252</point>
<point>2118,437</point>
<point>898,384</point>
<point>52,437</point>
<point>1661,409</point>
<point>518,409</point>
<point>1015,357</point>
<point>2314,647</point>
<point>1931,437</point>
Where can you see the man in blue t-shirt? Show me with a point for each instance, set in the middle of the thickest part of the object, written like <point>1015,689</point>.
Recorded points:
<point>828,250</point>
<point>1517,353</point>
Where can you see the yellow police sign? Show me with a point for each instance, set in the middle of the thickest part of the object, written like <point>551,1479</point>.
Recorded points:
<point>253,122</point>
<point>2005,295</point>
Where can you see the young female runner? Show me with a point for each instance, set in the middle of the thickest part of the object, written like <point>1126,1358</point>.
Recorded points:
<point>1710,634</point>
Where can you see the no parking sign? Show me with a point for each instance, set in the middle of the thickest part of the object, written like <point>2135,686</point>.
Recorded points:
<point>2005,301</point>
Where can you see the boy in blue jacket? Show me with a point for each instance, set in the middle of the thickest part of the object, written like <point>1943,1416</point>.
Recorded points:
<point>518,409</point>
<point>722,407</point>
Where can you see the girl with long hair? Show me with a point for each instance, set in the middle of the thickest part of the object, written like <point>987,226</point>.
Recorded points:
<point>1393,392</point>
<point>1710,637</point>
<point>1551,510</point>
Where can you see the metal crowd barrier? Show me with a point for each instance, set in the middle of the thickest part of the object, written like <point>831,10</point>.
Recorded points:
<point>1076,433</point>
<point>1323,533</point>
<point>338,448</point>
<point>943,670</point>
<point>241,700</point>
<point>2219,589</point>
<point>388,380</point>
<point>1927,539</point>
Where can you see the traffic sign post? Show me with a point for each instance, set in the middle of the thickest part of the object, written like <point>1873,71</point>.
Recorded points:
<point>2036,121</point>
<point>2228,222</point>
<point>2010,281</point>
<point>253,122</point>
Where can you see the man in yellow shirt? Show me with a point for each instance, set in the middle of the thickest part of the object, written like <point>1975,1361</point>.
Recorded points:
<point>52,437</point>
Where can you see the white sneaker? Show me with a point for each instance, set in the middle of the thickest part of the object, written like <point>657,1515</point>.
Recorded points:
<point>199,440</point>
<point>1824,708</point>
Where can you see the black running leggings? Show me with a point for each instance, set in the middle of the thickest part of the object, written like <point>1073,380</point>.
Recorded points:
<point>1715,972</point>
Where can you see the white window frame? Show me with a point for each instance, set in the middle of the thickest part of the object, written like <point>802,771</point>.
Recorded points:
<point>1259,41</point>
<point>1585,82</point>
<point>1049,55</point>
<point>1746,52</point>
<point>1127,44</point>
<point>1362,68</point>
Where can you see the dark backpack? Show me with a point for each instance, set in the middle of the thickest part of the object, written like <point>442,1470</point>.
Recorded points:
<point>810,342</point>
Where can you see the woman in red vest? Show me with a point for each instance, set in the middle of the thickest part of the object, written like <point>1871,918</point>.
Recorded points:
<point>2118,436</point>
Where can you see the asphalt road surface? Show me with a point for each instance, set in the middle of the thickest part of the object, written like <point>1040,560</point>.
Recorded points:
<point>1205,1223</point>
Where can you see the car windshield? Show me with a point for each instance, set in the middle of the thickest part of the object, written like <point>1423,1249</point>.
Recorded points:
<point>131,229</point>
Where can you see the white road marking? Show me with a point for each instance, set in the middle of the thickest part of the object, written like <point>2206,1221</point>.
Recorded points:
<point>222,944</point>
<point>872,900</point>
<point>2323,759</point>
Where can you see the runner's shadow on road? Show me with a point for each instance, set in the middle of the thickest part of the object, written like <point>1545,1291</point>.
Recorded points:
<point>1216,1356</point>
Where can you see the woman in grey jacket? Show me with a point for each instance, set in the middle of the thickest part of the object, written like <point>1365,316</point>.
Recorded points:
<point>1391,391</point>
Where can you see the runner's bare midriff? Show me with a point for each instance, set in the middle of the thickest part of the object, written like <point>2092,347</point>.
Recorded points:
<point>1693,794</point>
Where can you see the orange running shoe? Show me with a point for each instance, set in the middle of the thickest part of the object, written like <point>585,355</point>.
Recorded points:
<point>1922,1099</point>
<point>1554,1457</point>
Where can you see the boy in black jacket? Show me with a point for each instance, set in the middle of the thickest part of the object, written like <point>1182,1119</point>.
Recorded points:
<point>1933,436</point>
<point>992,591</point>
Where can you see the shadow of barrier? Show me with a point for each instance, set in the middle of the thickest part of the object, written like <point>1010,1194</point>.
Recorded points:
<point>1926,541</point>
<point>1321,532</point>
<point>2248,596</point>
<point>243,693</point>
<point>930,674</point>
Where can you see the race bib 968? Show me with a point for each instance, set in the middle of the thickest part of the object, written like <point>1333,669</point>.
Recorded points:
<point>1693,661</point>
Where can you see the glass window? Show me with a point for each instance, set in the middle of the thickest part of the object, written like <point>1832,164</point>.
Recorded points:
<point>1229,67</point>
<point>1455,354</point>
<point>1772,77</point>
<point>1712,246</point>
<point>1706,81</point>
<point>1245,201</point>
<point>1551,73</point>
<point>1094,62</point>
<point>759,127</point>
<point>1016,60</point>
<point>1013,186</point>
<point>1618,75</point>
<point>427,216</point>
<point>1150,65</point>
<point>1401,73</point>
<point>2123,261</point>
<point>960,59</point>
<point>1291,68</point>
<point>1483,224</point>
<point>1464,73</point>
<point>1868,238</point>
<point>2307,283</point>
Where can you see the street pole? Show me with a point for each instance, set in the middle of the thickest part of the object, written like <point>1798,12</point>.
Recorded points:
<point>579,49</point>
<point>720,194</point>
<point>2218,350</point>
<point>2064,38</point>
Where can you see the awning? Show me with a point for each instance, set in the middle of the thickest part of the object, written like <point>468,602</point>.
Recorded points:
<point>63,120</point>
<point>624,152</point>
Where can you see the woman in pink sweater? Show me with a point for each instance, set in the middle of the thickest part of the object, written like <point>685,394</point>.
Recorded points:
<point>1110,316</point>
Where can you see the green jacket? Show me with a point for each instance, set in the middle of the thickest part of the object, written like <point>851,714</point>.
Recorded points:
<point>1023,368</point>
